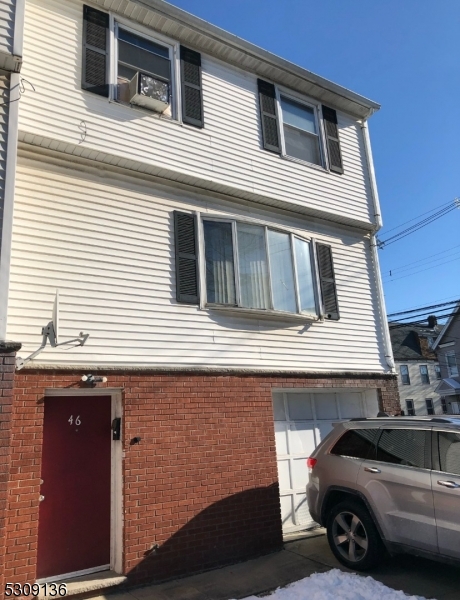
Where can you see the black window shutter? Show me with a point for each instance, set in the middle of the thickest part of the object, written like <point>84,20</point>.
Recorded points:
<point>268,116</point>
<point>332,139</point>
<point>95,51</point>
<point>327,282</point>
<point>185,238</point>
<point>192,91</point>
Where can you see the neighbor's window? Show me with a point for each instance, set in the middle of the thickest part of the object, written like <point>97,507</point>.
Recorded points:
<point>437,370</point>
<point>300,131</point>
<point>452,368</point>
<point>443,405</point>
<point>429,406</point>
<point>141,57</point>
<point>404,370</point>
<point>410,408</point>
<point>252,266</point>
<point>424,374</point>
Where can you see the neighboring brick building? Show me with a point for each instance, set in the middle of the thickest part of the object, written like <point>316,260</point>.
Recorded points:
<point>207,212</point>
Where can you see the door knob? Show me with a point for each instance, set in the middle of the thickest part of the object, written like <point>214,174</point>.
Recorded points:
<point>41,498</point>
<point>449,484</point>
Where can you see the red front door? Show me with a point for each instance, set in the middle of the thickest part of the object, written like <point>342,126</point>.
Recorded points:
<point>74,516</point>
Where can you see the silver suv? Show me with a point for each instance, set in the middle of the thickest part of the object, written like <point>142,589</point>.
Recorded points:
<point>388,484</point>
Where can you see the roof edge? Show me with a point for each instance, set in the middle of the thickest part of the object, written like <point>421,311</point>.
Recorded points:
<point>220,35</point>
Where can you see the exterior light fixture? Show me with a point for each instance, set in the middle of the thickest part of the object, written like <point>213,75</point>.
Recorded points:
<point>92,380</point>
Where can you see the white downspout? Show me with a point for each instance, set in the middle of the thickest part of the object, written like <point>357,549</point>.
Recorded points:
<point>10,168</point>
<point>375,258</point>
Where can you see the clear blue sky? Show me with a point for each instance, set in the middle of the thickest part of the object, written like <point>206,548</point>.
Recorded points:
<point>404,54</point>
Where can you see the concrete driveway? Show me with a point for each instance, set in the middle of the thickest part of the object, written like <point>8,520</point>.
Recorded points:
<point>300,558</point>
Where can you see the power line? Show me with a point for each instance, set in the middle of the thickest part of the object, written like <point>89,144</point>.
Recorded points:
<point>403,267</point>
<point>422,318</point>
<point>420,271</point>
<point>398,324</point>
<point>422,215</point>
<point>423,223</point>
<point>438,300</point>
<point>423,308</point>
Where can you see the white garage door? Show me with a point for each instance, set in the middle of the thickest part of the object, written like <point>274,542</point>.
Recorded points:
<point>302,420</point>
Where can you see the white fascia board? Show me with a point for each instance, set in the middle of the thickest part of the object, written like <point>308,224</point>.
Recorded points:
<point>204,34</point>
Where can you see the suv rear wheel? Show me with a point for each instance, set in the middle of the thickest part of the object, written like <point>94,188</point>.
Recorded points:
<point>353,537</point>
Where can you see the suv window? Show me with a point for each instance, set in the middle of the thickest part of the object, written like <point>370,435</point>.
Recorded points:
<point>356,443</point>
<point>449,452</point>
<point>410,447</point>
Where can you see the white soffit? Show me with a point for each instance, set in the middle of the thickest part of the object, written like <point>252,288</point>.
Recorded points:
<point>209,39</point>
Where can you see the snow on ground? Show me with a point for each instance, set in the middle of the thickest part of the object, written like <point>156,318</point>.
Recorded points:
<point>335,585</point>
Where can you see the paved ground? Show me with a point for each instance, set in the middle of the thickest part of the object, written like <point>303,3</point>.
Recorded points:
<point>300,558</point>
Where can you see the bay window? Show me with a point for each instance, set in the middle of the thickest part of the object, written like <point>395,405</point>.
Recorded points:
<point>257,267</point>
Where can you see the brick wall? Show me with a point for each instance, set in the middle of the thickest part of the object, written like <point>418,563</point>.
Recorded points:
<point>7,367</point>
<point>202,484</point>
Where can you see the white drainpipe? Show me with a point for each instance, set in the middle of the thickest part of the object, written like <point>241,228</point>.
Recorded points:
<point>375,257</point>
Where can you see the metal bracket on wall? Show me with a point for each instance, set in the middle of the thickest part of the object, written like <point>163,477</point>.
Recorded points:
<point>49,333</point>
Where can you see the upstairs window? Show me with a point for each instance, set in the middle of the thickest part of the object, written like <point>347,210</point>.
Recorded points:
<point>404,370</point>
<point>452,368</point>
<point>141,70</point>
<point>437,370</point>
<point>144,72</point>
<point>298,128</point>
<point>424,374</point>
<point>300,131</point>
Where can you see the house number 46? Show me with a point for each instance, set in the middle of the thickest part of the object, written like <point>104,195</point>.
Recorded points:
<point>77,420</point>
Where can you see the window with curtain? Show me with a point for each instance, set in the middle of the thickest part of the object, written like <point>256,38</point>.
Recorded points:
<point>252,266</point>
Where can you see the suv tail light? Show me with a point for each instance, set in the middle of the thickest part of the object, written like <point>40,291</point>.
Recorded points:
<point>311,462</point>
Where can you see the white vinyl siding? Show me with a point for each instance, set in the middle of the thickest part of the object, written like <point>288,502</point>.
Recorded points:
<point>417,391</point>
<point>226,153</point>
<point>7,11</point>
<point>107,245</point>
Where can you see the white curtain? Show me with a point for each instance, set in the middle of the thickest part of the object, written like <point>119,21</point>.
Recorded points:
<point>220,272</point>
<point>253,268</point>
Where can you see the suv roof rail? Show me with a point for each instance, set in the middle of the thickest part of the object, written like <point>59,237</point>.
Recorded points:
<point>452,419</point>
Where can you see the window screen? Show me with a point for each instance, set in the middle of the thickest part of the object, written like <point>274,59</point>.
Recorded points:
<point>357,443</point>
<point>449,452</point>
<point>409,447</point>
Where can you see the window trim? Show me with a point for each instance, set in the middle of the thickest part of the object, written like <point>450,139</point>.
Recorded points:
<point>274,313</point>
<point>174,56</point>
<point>401,375</point>
<point>427,375</point>
<point>429,408</point>
<point>318,114</point>
<point>410,409</point>
<point>449,373</point>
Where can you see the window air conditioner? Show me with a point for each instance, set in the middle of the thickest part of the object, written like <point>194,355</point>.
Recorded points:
<point>147,91</point>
